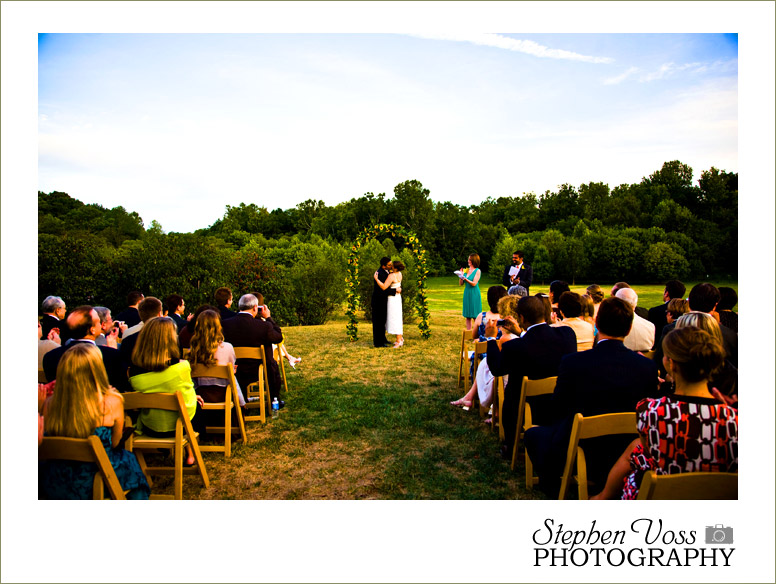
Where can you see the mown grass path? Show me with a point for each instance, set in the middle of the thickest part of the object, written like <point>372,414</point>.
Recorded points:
<point>366,423</point>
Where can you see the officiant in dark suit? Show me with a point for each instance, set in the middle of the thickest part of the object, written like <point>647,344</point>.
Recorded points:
<point>518,273</point>
<point>380,306</point>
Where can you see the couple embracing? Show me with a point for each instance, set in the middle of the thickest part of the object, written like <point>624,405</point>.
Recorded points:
<point>386,303</point>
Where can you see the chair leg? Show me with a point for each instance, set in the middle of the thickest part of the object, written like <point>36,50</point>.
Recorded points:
<point>144,467</point>
<point>199,461</point>
<point>178,483</point>
<point>228,432</point>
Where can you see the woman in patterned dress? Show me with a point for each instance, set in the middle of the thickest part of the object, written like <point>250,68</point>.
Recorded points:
<point>687,431</point>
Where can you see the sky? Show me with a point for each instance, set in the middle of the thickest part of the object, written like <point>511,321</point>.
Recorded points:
<point>176,126</point>
<point>294,100</point>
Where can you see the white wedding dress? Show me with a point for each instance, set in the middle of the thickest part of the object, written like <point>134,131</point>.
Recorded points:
<point>393,321</point>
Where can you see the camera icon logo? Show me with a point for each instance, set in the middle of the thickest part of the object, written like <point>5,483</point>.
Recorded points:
<point>719,534</point>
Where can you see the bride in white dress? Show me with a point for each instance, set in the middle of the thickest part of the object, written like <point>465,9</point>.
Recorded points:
<point>393,321</point>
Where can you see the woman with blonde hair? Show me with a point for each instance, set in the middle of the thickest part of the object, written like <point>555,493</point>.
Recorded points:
<point>209,348</point>
<point>687,431</point>
<point>157,368</point>
<point>83,404</point>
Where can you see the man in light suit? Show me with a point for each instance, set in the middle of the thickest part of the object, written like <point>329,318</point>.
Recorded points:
<point>380,305</point>
<point>607,379</point>
<point>518,273</point>
<point>245,330</point>
<point>536,355</point>
<point>642,334</point>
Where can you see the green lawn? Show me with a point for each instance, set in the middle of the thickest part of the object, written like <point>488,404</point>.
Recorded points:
<point>366,423</point>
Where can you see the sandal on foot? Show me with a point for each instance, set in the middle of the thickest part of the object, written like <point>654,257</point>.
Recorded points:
<point>488,421</point>
<point>461,403</point>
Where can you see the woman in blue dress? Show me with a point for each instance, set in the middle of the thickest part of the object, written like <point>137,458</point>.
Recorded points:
<point>84,404</point>
<point>472,298</point>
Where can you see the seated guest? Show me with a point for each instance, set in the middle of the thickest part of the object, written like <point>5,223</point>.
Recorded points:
<point>642,334</point>
<point>84,404</point>
<point>607,379</point>
<point>704,297</point>
<point>111,329</point>
<point>727,300</point>
<point>184,336</point>
<point>84,326</point>
<point>176,307</point>
<point>148,308</point>
<point>130,315</point>
<point>725,379</point>
<point>657,315</point>
<point>293,361</point>
<point>557,288</point>
<point>687,431</point>
<point>223,298</point>
<point>245,330</point>
<point>47,344</point>
<point>485,393</point>
<point>676,307</point>
<point>54,310</point>
<point>549,315</point>
<point>588,310</point>
<point>595,292</point>
<point>157,368</point>
<point>642,312</point>
<point>209,348</point>
<point>570,306</point>
<point>536,355</point>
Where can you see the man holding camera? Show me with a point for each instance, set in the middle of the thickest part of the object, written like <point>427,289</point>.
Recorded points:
<point>111,329</point>
<point>518,273</point>
<point>245,330</point>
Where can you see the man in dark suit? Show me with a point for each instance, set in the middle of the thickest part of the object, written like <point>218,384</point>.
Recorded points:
<point>245,330</point>
<point>607,379</point>
<point>536,355</point>
<point>223,298</point>
<point>176,307</point>
<point>518,273</point>
<point>703,298</point>
<point>130,315</point>
<point>84,325</point>
<point>657,314</point>
<point>54,310</point>
<point>380,305</point>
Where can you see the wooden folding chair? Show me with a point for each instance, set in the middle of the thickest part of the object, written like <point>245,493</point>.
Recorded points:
<point>689,485</point>
<point>591,427</point>
<point>230,403</point>
<point>259,388</point>
<point>649,354</point>
<point>85,450</point>
<point>42,376</point>
<point>463,361</point>
<point>279,358</point>
<point>184,434</point>
<point>480,347</point>
<point>498,407</point>
<point>528,388</point>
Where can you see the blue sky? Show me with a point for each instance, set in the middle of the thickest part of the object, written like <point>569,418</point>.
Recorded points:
<point>162,123</point>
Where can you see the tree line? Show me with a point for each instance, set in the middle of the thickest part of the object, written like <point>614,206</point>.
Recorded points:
<point>660,228</point>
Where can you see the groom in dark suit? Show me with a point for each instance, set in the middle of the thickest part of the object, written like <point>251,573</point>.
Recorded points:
<point>380,305</point>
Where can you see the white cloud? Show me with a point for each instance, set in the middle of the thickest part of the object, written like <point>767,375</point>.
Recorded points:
<point>519,46</point>
<point>622,77</point>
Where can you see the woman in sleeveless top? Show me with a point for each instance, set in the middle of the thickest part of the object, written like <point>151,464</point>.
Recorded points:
<point>394,319</point>
<point>472,299</point>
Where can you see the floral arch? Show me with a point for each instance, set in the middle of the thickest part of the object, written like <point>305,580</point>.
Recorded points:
<point>352,279</point>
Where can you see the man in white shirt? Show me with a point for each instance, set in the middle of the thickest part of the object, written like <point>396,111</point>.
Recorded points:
<point>642,334</point>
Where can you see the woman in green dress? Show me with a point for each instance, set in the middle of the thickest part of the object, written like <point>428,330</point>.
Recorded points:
<point>472,298</point>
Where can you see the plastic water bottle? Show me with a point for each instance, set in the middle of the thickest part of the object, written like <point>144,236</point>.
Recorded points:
<point>275,407</point>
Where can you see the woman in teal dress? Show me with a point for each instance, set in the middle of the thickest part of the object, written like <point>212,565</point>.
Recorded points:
<point>472,298</point>
<point>84,404</point>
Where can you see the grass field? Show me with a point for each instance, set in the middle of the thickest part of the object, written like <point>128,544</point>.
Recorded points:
<point>366,423</point>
